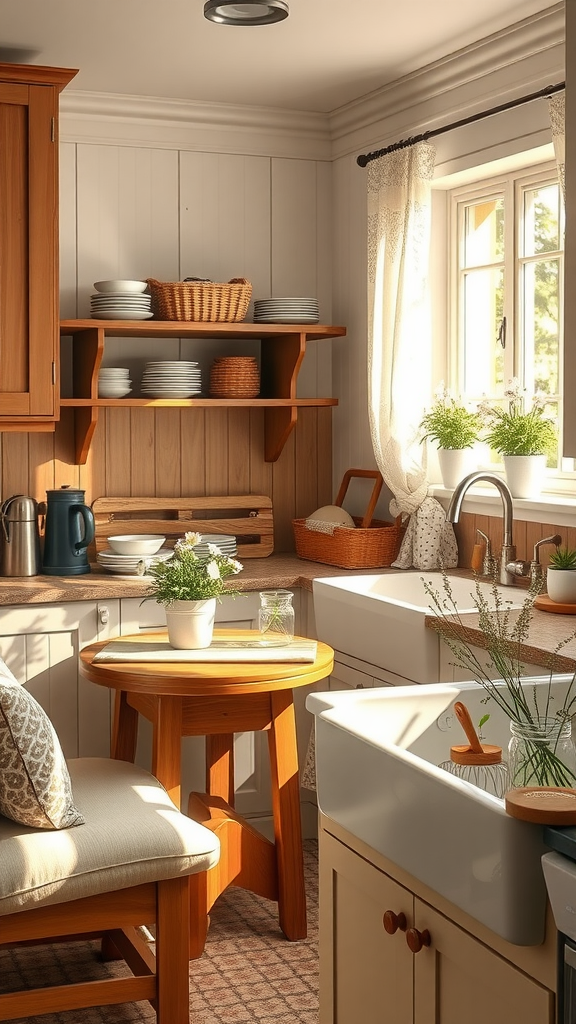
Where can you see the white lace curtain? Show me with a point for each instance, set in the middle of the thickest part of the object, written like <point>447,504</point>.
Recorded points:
<point>400,347</point>
<point>556,106</point>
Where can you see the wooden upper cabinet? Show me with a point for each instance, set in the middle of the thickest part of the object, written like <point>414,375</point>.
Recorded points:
<point>29,307</point>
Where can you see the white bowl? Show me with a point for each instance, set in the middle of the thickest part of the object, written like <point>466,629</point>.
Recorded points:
<point>120,286</point>
<point>136,544</point>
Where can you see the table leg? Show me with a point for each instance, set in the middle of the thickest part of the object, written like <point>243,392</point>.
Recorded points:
<point>166,744</point>
<point>220,766</point>
<point>124,729</point>
<point>286,811</point>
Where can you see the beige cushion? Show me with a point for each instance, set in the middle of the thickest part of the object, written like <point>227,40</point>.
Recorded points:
<point>34,781</point>
<point>133,833</point>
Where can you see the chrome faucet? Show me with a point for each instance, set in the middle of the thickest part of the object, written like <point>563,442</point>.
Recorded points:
<point>508,553</point>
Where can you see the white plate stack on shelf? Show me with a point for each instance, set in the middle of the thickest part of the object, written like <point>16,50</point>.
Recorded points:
<point>121,300</point>
<point>286,311</point>
<point>171,379</point>
<point>226,542</point>
<point>130,565</point>
<point>113,382</point>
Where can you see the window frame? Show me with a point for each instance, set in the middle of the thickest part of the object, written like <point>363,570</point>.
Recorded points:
<point>511,184</point>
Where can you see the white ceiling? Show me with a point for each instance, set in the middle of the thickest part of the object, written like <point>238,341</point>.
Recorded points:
<point>327,53</point>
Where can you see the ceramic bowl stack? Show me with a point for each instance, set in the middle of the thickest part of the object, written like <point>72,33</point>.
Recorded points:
<point>171,379</point>
<point>234,377</point>
<point>133,555</point>
<point>286,311</point>
<point>226,543</point>
<point>113,382</point>
<point>121,300</point>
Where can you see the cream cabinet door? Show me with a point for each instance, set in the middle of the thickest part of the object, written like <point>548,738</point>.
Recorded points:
<point>457,979</point>
<point>40,644</point>
<point>366,974</point>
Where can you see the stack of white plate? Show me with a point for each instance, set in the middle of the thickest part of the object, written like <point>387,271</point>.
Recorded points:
<point>286,311</point>
<point>113,382</point>
<point>121,300</point>
<point>171,379</point>
<point>226,543</point>
<point>130,565</point>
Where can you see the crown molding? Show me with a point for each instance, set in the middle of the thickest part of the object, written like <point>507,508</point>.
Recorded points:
<point>499,65</point>
<point>110,118</point>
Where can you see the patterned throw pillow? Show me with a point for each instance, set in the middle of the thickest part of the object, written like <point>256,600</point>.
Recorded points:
<point>35,787</point>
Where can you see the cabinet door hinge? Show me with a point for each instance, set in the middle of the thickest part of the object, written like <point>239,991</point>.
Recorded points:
<point>52,129</point>
<point>53,372</point>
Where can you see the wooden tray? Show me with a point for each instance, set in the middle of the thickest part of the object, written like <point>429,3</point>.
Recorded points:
<point>247,516</point>
<point>544,603</point>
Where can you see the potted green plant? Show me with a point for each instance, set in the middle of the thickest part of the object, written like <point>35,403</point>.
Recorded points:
<point>561,576</point>
<point>525,438</point>
<point>189,586</point>
<point>455,430</point>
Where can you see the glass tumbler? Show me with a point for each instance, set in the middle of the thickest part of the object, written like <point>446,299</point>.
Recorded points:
<point>276,617</point>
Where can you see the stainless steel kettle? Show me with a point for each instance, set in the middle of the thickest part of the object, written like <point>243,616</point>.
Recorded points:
<point>19,539</point>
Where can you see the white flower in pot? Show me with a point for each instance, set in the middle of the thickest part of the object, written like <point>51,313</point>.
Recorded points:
<point>561,576</point>
<point>524,439</point>
<point>455,429</point>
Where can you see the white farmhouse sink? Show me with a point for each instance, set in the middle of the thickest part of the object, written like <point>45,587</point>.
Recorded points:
<point>381,618</point>
<point>377,753</point>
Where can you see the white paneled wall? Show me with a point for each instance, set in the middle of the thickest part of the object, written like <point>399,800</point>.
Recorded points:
<point>133,212</point>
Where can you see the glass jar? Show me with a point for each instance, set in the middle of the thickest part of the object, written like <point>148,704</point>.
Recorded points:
<point>542,754</point>
<point>276,617</point>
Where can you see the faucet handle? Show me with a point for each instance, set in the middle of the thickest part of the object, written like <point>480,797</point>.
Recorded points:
<point>535,566</point>
<point>489,564</point>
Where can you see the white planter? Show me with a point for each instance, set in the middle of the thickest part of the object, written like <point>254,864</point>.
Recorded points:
<point>455,464</point>
<point>191,624</point>
<point>525,474</point>
<point>561,585</point>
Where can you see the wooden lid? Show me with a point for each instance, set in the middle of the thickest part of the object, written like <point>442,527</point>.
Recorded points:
<point>544,805</point>
<point>465,755</point>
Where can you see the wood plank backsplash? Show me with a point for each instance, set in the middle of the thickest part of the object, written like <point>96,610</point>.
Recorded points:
<point>180,452</point>
<point>525,536</point>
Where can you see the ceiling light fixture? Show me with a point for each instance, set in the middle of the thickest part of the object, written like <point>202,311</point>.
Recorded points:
<point>246,12</point>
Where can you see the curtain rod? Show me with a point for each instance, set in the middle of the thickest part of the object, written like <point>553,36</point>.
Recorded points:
<point>366,158</point>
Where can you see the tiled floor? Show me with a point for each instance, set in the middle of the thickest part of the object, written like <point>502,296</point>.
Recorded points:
<point>248,973</point>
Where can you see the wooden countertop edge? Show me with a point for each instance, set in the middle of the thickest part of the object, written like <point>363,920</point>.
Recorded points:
<point>284,570</point>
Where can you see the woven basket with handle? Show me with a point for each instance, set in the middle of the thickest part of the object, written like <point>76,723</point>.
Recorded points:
<point>373,544</point>
<point>200,301</point>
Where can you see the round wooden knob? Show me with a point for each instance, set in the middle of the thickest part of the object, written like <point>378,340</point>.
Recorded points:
<point>393,922</point>
<point>416,939</point>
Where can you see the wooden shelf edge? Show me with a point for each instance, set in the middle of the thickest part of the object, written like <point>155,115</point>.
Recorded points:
<point>191,403</point>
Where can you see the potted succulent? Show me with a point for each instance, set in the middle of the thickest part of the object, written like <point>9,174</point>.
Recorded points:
<point>561,576</point>
<point>455,430</point>
<point>525,438</point>
<point>189,586</point>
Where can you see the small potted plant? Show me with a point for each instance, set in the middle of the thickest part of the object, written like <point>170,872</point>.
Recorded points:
<point>561,576</point>
<point>189,586</point>
<point>524,438</point>
<point>455,430</point>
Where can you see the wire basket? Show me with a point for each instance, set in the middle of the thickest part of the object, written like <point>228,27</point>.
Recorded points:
<point>200,301</point>
<point>372,544</point>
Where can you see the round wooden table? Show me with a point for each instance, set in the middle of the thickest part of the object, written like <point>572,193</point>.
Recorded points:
<point>216,700</point>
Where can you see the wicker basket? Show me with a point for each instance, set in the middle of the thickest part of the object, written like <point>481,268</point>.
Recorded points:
<point>373,544</point>
<point>200,301</point>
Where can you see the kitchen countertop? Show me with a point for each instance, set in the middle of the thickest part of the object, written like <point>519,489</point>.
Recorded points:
<point>546,632</point>
<point>285,570</point>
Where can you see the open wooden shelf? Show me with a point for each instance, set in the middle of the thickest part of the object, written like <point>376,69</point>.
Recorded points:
<point>279,366</point>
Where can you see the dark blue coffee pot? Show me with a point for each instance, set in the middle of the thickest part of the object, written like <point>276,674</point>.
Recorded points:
<point>68,532</point>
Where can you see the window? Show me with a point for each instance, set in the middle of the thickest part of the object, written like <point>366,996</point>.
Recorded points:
<point>507,262</point>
